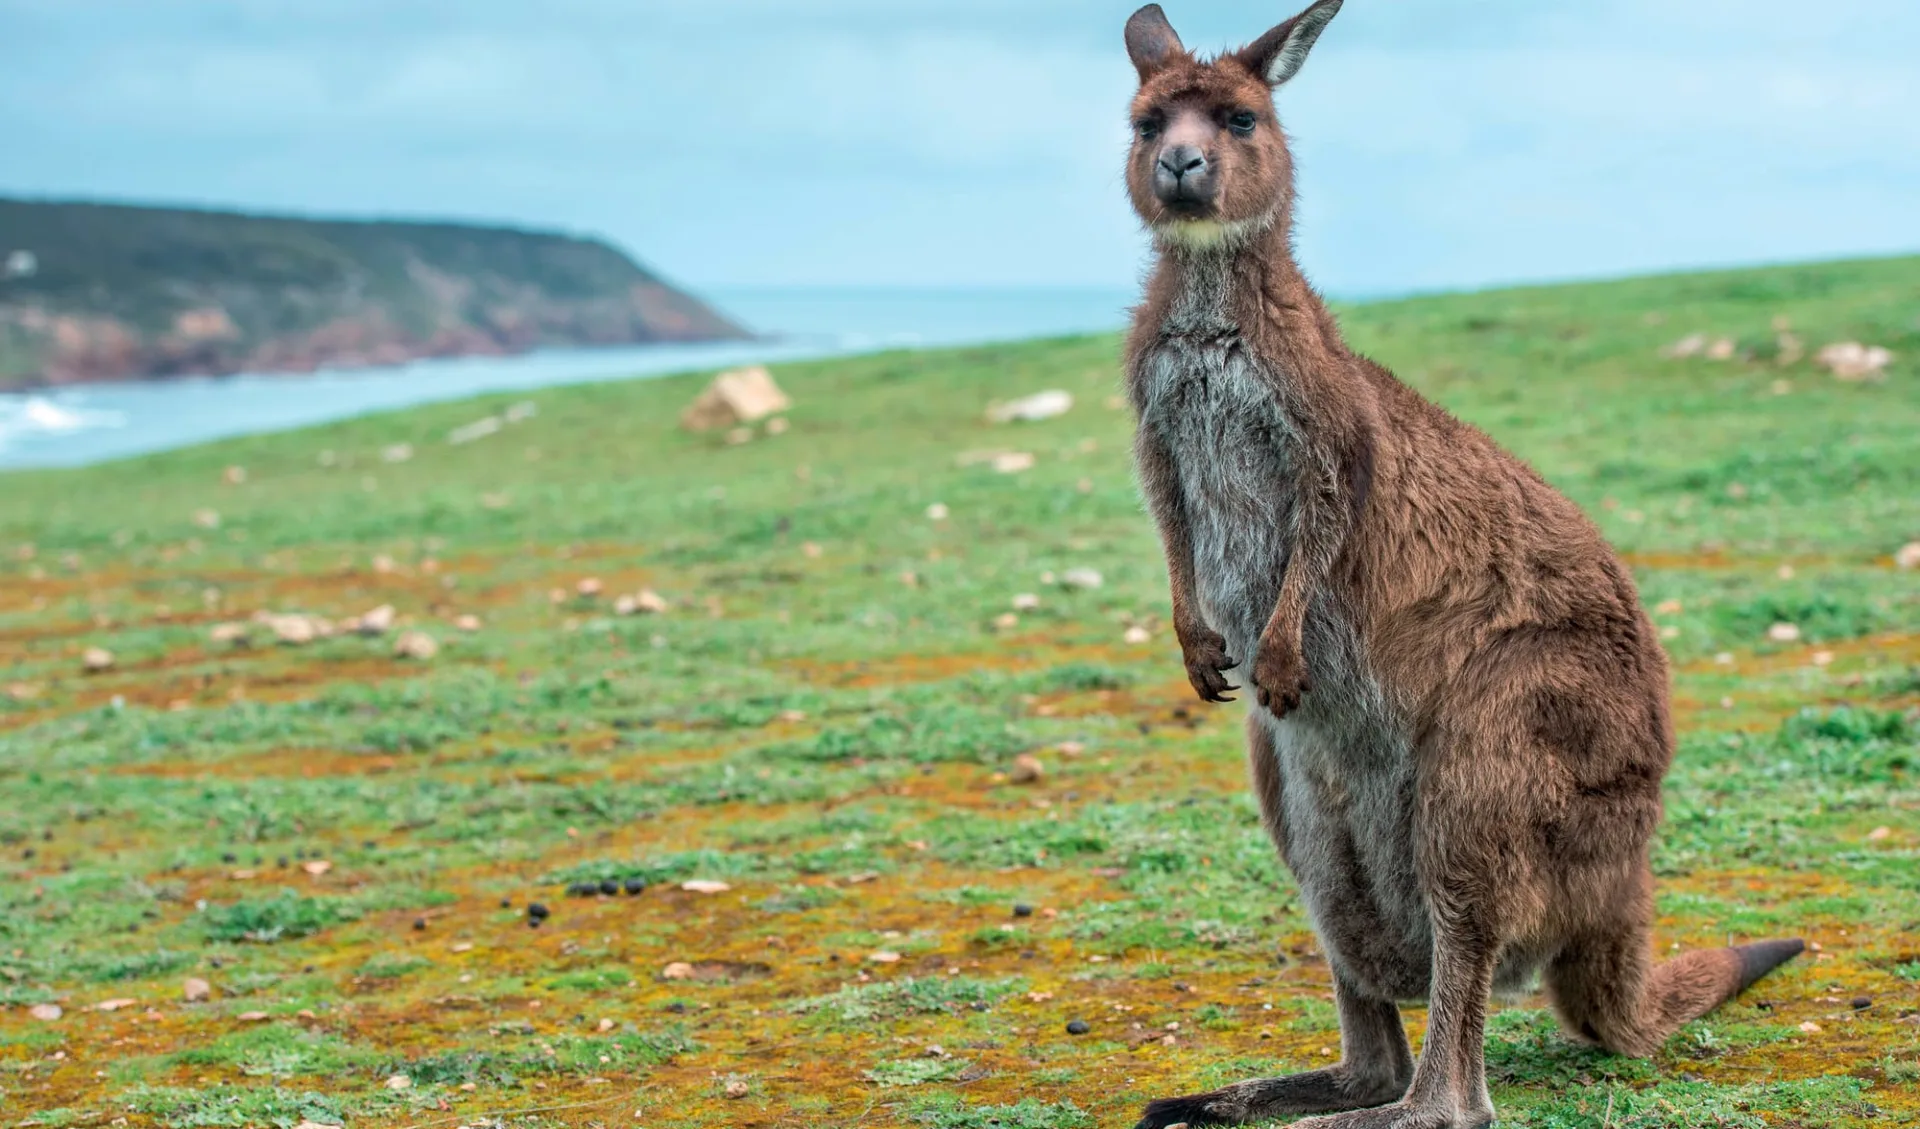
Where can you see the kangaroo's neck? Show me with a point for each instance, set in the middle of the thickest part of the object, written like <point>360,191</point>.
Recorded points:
<point>1246,284</point>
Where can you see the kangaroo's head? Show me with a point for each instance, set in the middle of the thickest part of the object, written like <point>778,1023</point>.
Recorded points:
<point>1209,165</point>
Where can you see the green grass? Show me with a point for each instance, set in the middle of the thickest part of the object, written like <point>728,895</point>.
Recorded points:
<point>344,843</point>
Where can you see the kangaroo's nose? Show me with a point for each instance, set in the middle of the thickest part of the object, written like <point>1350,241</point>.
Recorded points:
<point>1183,160</point>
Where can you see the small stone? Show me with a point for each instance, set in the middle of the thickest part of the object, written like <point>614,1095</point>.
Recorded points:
<point>315,1125</point>
<point>937,512</point>
<point>704,886</point>
<point>738,435</point>
<point>1821,658</point>
<point>776,426</point>
<point>588,586</point>
<point>96,660</point>
<point>1136,635</point>
<point>399,1082</point>
<point>1783,633</point>
<point>1077,1027</point>
<point>467,622</point>
<point>1908,556</point>
<point>45,1012</point>
<point>1810,1027</point>
<point>376,622</point>
<point>416,645</point>
<point>1006,621</point>
<point>316,867</point>
<point>114,1004</point>
<point>206,519</point>
<point>252,1017</point>
<point>736,1089</point>
<point>1027,769</point>
<point>1880,833</point>
<point>884,956</point>
<point>228,633</point>
<point>678,970</point>
<point>1022,909</point>
<point>1026,602</point>
<point>196,990</point>
<point>604,1025</point>
<point>1012,462</point>
<point>1082,578</point>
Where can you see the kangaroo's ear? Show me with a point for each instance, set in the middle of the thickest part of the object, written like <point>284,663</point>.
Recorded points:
<point>1277,55</point>
<point>1151,42</point>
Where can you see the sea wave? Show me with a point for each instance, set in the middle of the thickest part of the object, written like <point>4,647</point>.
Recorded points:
<point>25,417</point>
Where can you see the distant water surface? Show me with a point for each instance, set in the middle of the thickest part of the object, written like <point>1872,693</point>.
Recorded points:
<point>93,422</point>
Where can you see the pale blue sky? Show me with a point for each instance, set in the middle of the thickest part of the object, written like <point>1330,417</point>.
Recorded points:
<point>977,142</point>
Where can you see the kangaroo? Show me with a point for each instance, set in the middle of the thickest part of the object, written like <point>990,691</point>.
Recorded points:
<point>1460,718</point>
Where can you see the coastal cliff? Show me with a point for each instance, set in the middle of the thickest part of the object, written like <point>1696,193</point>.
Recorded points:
<point>93,292</point>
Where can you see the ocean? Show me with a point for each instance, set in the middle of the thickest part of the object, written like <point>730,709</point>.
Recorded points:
<point>96,422</point>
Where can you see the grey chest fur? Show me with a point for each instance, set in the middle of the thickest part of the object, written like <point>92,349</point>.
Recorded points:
<point>1343,754</point>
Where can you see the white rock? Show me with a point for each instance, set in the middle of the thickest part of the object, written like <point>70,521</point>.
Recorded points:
<point>1027,769</point>
<point>467,622</point>
<point>206,519</point>
<point>1082,578</point>
<point>1692,345</point>
<point>937,512</point>
<point>96,659</point>
<point>1041,405</point>
<point>396,453</point>
<point>415,645</point>
<point>1783,633</point>
<point>196,990</point>
<point>704,886</point>
<point>478,429</point>
<point>376,622</point>
<point>1012,462</point>
<point>735,397</point>
<point>45,1012</point>
<point>399,1082</point>
<point>1908,555</point>
<point>649,602</point>
<point>1025,602</point>
<point>1137,635</point>
<point>678,970</point>
<point>228,633</point>
<point>522,411</point>
<point>1850,360</point>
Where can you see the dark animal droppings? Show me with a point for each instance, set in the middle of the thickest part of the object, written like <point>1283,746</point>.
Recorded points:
<point>1077,1027</point>
<point>1022,910</point>
<point>635,886</point>
<point>609,887</point>
<point>419,923</point>
<point>538,911</point>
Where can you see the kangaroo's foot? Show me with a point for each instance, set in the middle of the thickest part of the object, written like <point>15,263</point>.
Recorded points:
<point>1258,1099</point>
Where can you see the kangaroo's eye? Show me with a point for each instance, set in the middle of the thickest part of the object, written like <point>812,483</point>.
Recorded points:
<point>1147,127</point>
<point>1242,122</point>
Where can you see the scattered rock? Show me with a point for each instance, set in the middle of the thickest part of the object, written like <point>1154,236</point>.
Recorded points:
<point>1136,635</point>
<point>1908,555</point>
<point>704,886</point>
<point>588,586</point>
<point>379,621</point>
<point>1692,345</point>
<point>521,411</point>
<point>1077,1027</point>
<point>396,453</point>
<point>235,633</point>
<point>884,956</point>
<point>495,501</point>
<point>415,645</point>
<point>1027,769</point>
<point>739,435</point>
<point>1783,633</point>
<point>776,426</point>
<point>1026,602</point>
<point>736,1088</point>
<point>206,519</point>
<point>315,1125</point>
<point>1720,349</point>
<point>96,660</point>
<point>22,691</point>
<point>1880,833</point>
<point>478,429</point>
<point>1012,462</point>
<point>252,1017</point>
<point>114,1004</point>
<point>1850,360</point>
<point>196,990</point>
<point>1041,405</point>
<point>1006,621</point>
<point>467,622</point>
<point>937,512</point>
<point>644,602</point>
<point>678,970</point>
<point>45,1012</point>
<point>316,867</point>
<point>1082,578</point>
<point>1810,1027</point>
<point>399,1082</point>
<point>811,549</point>
<point>234,475</point>
<point>735,397</point>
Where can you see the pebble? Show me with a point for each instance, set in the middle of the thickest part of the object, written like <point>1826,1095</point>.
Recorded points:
<point>399,1082</point>
<point>1783,633</point>
<point>1027,769</point>
<point>97,659</point>
<point>677,970</point>
<point>1082,578</point>
<point>1077,1027</point>
<point>1908,555</point>
<point>195,990</point>
<point>736,1089</point>
<point>415,645</point>
<point>47,1012</point>
<point>704,886</point>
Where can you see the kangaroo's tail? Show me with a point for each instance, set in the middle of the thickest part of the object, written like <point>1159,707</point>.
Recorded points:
<point>1611,993</point>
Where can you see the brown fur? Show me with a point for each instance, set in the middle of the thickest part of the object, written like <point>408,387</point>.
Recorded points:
<point>1504,638</point>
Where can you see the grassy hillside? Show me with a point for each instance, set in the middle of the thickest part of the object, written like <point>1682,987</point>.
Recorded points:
<point>344,843</point>
<point>117,291</point>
